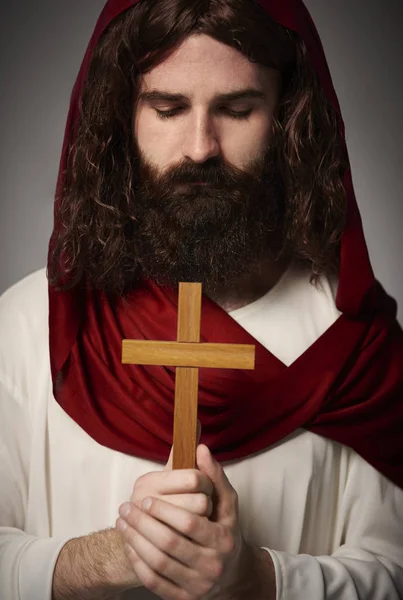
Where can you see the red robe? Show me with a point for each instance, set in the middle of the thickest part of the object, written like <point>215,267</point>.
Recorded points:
<point>348,386</point>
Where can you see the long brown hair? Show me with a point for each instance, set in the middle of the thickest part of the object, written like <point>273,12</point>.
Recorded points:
<point>92,232</point>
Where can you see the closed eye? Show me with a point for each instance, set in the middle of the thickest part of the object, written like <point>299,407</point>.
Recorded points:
<point>168,114</point>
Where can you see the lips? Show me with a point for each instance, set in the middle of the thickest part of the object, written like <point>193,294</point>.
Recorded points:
<point>192,184</point>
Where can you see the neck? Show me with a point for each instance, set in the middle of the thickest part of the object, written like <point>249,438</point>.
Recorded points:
<point>250,287</point>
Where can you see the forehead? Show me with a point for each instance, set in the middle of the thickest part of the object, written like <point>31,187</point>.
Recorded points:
<point>202,62</point>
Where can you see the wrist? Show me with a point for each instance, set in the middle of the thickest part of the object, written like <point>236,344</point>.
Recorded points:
<point>258,577</point>
<point>118,570</point>
<point>93,567</point>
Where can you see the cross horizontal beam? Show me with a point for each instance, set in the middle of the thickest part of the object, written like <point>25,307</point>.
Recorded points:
<point>188,354</point>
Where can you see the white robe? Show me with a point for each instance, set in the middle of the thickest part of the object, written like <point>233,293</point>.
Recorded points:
<point>332,524</point>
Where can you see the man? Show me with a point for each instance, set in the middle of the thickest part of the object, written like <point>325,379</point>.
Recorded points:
<point>204,143</point>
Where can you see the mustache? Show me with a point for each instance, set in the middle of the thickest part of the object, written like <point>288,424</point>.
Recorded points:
<point>210,179</point>
<point>213,172</point>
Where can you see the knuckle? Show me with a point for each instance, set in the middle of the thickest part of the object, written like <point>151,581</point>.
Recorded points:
<point>189,525</point>
<point>139,481</point>
<point>192,481</point>
<point>170,543</point>
<point>216,568</point>
<point>132,555</point>
<point>225,540</point>
<point>161,563</point>
<point>203,504</point>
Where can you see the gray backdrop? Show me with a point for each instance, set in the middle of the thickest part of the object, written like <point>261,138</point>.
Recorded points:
<point>41,48</point>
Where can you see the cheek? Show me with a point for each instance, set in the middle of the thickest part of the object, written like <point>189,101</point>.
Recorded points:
<point>151,139</point>
<point>248,143</point>
<point>263,133</point>
<point>144,129</point>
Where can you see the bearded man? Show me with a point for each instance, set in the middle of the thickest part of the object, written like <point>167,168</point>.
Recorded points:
<point>204,143</point>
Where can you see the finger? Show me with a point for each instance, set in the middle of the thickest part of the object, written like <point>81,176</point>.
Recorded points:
<point>131,554</point>
<point>162,564</point>
<point>195,528</point>
<point>179,481</point>
<point>167,539</point>
<point>161,587</point>
<point>226,506</point>
<point>198,504</point>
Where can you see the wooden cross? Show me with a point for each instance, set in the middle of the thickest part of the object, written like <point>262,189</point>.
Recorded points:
<point>187,354</point>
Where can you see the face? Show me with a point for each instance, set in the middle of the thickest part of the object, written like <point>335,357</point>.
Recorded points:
<point>202,124</point>
<point>207,193</point>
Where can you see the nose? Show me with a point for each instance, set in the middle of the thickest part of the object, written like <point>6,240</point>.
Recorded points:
<point>201,141</point>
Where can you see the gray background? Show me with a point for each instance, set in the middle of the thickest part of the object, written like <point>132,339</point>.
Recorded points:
<point>41,48</point>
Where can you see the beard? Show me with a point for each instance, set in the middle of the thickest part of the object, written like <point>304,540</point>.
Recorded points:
<point>216,233</point>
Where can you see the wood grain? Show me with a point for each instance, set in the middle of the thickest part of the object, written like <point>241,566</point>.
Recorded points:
<point>182,354</point>
<point>185,418</point>
<point>187,379</point>
<point>189,312</point>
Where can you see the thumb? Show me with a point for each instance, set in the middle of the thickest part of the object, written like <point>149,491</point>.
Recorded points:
<point>168,466</point>
<point>226,498</point>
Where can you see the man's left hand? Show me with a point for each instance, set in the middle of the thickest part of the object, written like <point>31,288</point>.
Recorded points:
<point>183,556</point>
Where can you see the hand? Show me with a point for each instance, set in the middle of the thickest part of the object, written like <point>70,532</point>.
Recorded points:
<point>186,488</point>
<point>180,555</point>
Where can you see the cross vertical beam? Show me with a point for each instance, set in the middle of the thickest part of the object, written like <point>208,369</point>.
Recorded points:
<point>187,379</point>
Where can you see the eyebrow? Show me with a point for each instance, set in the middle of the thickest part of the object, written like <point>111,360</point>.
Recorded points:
<point>160,95</point>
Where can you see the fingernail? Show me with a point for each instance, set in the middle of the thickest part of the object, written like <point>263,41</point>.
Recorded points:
<point>125,509</point>
<point>121,525</point>
<point>146,503</point>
